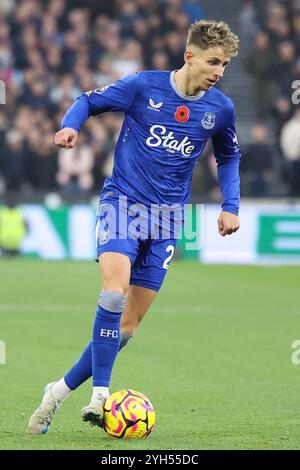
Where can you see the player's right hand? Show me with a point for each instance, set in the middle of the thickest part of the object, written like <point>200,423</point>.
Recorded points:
<point>66,138</point>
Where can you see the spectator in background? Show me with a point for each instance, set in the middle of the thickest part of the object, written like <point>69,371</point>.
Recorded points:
<point>205,176</point>
<point>128,13</point>
<point>260,65</point>
<point>281,112</point>
<point>104,73</point>
<point>128,61</point>
<point>64,88</point>
<point>13,160</point>
<point>174,48</point>
<point>52,50</point>
<point>277,22</point>
<point>75,168</point>
<point>4,125</point>
<point>36,96</point>
<point>42,158</point>
<point>7,6</point>
<point>160,61</point>
<point>275,65</point>
<point>13,228</point>
<point>256,168</point>
<point>285,69</point>
<point>193,9</point>
<point>290,145</point>
<point>248,23</point>
<point>296,27</point>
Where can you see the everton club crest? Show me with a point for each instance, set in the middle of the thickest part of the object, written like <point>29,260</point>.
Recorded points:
<point>209,120</point>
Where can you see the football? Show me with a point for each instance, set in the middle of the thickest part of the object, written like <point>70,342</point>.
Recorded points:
<point>128,414</point>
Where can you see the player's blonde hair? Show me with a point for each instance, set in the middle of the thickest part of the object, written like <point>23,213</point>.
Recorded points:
<point>210,33</point>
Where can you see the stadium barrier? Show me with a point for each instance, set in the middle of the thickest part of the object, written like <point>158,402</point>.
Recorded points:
<point>269,233</point>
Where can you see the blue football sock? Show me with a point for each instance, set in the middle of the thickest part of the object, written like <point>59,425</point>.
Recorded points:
<point>82,370</point>
<point>106,336</point>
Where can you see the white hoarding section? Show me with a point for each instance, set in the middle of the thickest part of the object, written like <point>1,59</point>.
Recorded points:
<point>42,238</point>
<point>82,232</point>
<point>237,248</point>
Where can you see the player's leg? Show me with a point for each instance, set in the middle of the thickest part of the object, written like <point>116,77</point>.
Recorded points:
<point>139,300</point>
<point>152,263</point>
<point>114,286</point>
<point>147,276</point>
<point>115,269</point>
<point>115,273</point>
<point>41,419</point>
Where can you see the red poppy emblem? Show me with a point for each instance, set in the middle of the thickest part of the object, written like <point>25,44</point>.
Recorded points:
<point>182,114</point>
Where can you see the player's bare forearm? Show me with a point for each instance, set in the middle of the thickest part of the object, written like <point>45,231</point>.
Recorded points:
<point>66,138</point>
<point>228,223</point>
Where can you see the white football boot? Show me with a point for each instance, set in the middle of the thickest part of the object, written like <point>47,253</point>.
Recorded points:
<point>41,419</point>
<point>94,412</point>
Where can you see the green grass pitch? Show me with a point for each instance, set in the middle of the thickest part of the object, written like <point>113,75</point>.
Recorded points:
<point>213,355</point>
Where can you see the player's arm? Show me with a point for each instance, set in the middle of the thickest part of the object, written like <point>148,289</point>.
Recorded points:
<point>116,97</point>
<point>227,153</point>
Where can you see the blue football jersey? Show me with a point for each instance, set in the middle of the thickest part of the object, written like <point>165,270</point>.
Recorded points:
<point>163,135</point>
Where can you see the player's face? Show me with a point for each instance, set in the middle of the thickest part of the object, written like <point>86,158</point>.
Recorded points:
<point>206,67</point>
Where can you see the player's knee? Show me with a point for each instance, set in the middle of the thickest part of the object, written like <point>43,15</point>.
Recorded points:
<point>114,285</point>
<point>112,300</point>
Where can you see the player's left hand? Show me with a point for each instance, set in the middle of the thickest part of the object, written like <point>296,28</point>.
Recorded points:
<point>228,223</point>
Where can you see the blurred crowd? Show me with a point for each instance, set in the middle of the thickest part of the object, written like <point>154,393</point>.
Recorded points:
<point>53,50</point>
<point>270,30</point>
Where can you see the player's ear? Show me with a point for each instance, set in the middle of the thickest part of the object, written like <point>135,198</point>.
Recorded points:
<point>188,55</point>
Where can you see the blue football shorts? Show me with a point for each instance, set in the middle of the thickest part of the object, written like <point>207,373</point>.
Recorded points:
<point>123,226</point>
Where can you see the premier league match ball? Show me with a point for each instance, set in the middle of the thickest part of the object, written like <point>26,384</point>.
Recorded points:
<point>128,414</point>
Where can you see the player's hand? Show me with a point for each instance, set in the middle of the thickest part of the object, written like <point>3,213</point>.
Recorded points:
<point>66,138</point>
<point>228,223</point>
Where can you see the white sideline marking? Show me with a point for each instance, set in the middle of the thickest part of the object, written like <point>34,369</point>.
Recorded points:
<point>43,307</point>
<point>184,309</point>
<point>2,352</point>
